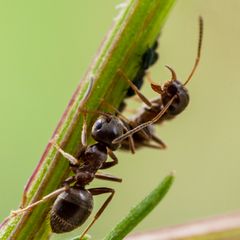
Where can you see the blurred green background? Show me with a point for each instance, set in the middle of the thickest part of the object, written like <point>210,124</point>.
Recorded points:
<point>46,46</point>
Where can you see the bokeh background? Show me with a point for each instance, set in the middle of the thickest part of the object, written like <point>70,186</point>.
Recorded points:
<point>46,47</point>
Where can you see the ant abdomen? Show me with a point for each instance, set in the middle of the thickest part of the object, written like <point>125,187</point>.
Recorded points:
<point>70,210</point>
<point>175,88</point>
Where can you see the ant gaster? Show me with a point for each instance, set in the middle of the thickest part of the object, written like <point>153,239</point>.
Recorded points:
<point>174,98</point>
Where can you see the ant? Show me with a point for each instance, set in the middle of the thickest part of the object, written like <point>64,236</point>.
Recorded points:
<point>174,99</point>
<point>74,202</point>
<point>148,59</point>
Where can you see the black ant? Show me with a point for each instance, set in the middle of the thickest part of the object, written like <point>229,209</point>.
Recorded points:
<point>74,203</point>
<point>174,99</point>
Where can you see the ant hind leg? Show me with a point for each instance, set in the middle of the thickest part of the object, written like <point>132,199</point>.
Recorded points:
<point>135,89</point>
<point>98,191</point>
<point>44,199</point>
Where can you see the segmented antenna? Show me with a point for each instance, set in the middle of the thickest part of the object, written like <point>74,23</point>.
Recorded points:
<point>198,50</point>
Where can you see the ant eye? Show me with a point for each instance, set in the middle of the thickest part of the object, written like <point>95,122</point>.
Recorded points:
<point>98,125</point>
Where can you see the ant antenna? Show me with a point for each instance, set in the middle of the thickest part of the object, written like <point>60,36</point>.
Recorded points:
<point>198,50</point>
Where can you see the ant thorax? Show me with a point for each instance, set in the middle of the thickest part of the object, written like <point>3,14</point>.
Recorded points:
<point>93,157</point>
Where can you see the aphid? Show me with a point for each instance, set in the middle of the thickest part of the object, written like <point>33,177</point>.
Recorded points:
<point>174,98</point>
<point>149,58</point>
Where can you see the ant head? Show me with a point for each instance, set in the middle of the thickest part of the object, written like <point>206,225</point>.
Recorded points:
<point>175,88</point>
<point>106,129</point>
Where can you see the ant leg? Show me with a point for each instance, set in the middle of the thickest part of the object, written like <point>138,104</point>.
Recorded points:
<point>130,139</point>
<point>68,156</point>
<point>108,177</point>
<point>66,184</point>
<point>131,144</point>
<point>136,99</point>
<point>112,163</point>
<point>44,199</point>
<point>118,111</point>
<point>120,115</point>
<point>145,144</point>
<point>98,191</point>
<point>112,155</point>
<point>160,143</point>
<point>135,89</point>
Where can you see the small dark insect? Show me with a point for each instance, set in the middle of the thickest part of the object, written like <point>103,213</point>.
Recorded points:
<point>149,58</point>
<point>174,98</point>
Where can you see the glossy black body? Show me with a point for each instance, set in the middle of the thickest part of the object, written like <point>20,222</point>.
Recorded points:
<point>72,207</point>
<point>175,88</point>
<point>70,210</point>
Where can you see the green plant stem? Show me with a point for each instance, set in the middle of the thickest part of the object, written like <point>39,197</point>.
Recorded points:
<point>136,29</point>
<point>141,210</point>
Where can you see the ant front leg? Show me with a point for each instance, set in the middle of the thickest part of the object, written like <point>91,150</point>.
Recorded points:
<point>135,89</point>
<point>94,192</point>
<point>69,157</point>
<point>106,165</point>
<point>66,155</point>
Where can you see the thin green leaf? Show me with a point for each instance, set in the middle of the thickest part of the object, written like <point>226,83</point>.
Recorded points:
<point>141,210</point>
